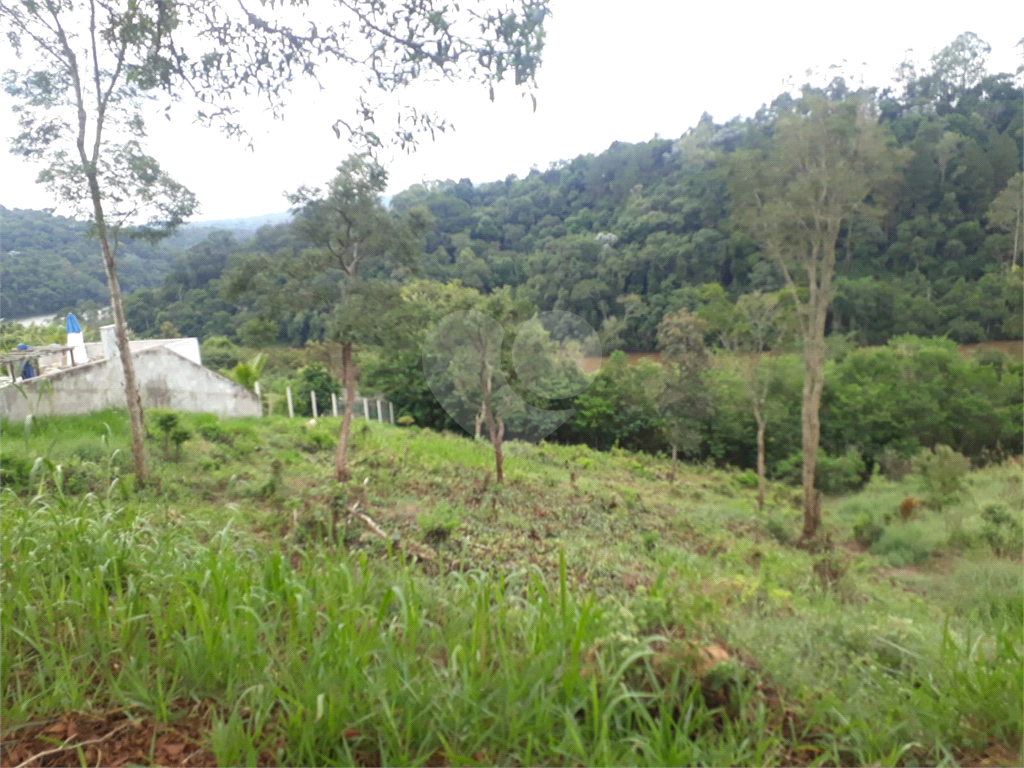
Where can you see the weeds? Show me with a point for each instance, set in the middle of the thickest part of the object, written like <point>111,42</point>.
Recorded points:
<point>606,621</point>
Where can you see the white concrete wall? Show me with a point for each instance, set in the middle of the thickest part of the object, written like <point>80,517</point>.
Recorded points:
<point>187,348</point>
<point>166,379</point>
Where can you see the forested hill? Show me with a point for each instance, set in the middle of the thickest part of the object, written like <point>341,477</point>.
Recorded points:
<point>625,236</point>
<point>621,237</point>
<point>48,263</point>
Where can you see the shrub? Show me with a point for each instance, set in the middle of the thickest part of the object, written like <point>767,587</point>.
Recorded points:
<point>1002,531</point>
<point>438,523</point>
<point>15,472</point>
<point>867,531</point>
<point>942,471</point>
<point>314,377</point>
<point>777,530</point>
<point>833,474</point>
<point>315,441</point>
<point>839,474</point>
<point>894,465</point>
<point>219,353</point>
<point>909,544</point>
<point>747,478</point>
<point>215,433</point>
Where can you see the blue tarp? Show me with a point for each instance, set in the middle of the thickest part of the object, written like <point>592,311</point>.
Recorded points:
<point>72,325</point>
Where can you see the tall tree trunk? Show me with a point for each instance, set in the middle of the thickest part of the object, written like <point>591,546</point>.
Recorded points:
<point>1016,239</point>
<point>810,422</point>
<point>496,430</point>
<point>131,389</point>
<point>497,438</point>
<point>340,465</point>
<point>761,421</point>
<point>675,455</point>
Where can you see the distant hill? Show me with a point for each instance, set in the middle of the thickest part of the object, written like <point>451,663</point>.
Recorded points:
<point>242,228</point>
<point>49,263</point>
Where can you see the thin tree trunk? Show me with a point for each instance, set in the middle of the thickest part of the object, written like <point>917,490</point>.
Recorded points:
<point>340,464</point>
<point>675,455</point>
<point>496,430</point>
<point>810,422</point>
<point>1016,239</point>
<point>131,389</point>
<point>760,457</point>
<point>497,438</point>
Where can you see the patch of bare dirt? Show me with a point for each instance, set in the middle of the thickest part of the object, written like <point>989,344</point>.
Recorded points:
<point>112,739</point>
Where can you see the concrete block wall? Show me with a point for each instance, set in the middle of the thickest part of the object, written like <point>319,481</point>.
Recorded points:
<point>166,379</point>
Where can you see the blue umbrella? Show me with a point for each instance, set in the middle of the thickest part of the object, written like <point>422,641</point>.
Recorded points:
<point>72,324</point>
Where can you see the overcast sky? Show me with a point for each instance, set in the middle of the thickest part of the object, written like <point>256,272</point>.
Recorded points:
<point>613,71</point>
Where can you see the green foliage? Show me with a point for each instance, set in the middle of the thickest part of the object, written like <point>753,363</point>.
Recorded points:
<point>218,595</point>
<point>912,543</point>
<point>219,353</point>
<point>173,431</point>
<point>439,522</point>
<point>747,478</point>
<point>50,265</point>
<point>834,474</point>
<point>1003,531</point>
<point>314,378</point>
<point>942,472</point>
<point>248,373</point>
<point>866,530</point>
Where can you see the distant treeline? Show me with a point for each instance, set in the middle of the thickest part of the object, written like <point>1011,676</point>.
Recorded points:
<point>48,263</point>
<point>625,237</point>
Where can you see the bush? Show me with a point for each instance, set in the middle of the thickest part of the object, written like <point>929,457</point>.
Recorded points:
<point>438,523</point>
<point>314,377</point>
<point>747,478</point>
<point>778,531</point>
<point>840,474</point>
<point>15,472</point>
<point>909,544</point>
<point>867,530</point>
<point>1002,531</point>
<point>942,472</point>
<point>833,474</point>
<point>219,353</point>
<point>315,441</point>
<point>215,433</point>
<point>894,465</point>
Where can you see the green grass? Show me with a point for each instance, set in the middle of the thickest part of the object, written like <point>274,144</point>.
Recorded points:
<point>559,620</point>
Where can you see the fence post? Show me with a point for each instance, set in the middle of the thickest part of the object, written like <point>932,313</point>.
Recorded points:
<point>391,410</point>
<point>312,400</point>
<point>291,409</point>
<point>334,403</point>
<point>259,397</point>
<point>380,412</point>
<point>366,410</point>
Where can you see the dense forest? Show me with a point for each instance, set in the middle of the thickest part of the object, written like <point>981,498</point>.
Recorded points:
<point>627,236</point>
<point>49,263</point>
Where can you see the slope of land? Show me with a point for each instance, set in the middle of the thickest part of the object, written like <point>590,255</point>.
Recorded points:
<point>239,610</point>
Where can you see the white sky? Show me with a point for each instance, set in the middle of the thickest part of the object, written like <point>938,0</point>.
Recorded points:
<point>613,71</point>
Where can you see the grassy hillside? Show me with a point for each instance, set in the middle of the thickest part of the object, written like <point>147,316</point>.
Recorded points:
<point>588,612</point>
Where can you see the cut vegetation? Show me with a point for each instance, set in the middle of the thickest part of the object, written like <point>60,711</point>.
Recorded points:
<point>241,609</point>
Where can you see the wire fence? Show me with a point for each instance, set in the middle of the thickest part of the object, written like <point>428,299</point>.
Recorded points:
<point>369,408</point>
